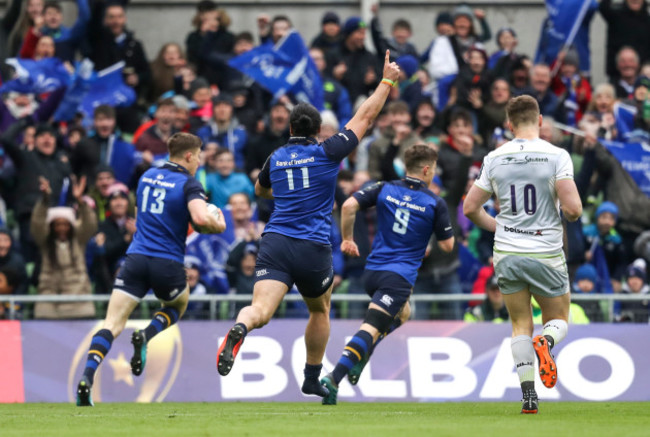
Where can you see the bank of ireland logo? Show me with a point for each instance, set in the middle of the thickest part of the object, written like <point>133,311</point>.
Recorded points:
<point>407,198</point>
<point>294,155</point>
<point>114,380</point>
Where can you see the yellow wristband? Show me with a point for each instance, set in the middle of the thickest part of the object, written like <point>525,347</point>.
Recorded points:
<point>388,82</point>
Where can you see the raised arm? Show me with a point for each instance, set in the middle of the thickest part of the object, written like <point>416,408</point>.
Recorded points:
<point>369,110</point>
<point>569,197</point>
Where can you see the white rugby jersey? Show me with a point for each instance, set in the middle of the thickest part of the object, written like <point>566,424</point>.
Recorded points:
<point>523,173</point>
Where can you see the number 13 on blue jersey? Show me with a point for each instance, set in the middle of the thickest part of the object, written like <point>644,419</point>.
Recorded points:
<point>305,177</point>
<point>158,204</point>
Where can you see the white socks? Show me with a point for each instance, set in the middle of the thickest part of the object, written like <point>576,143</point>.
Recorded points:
<point>557,329</point>
<point>524,356</point>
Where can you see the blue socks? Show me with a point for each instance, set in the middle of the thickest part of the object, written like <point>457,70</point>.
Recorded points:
<point>162,319</point>
<point>99,347</point>
<point>353,352</point>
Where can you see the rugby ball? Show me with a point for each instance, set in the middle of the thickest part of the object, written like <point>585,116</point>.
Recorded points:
<point>214,211</point>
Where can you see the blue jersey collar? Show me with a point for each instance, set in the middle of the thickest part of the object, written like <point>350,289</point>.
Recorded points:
<point>176,167</point>
<point>302,140</point>
<point>415,181</point>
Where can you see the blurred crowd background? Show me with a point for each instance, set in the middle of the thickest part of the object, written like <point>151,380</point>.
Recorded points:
<point>85,110</point>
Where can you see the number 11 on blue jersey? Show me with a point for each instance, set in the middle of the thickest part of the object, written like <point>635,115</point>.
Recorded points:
<point>305,177</point>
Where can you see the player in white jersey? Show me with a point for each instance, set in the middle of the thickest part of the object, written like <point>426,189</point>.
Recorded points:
<point>533,181</point>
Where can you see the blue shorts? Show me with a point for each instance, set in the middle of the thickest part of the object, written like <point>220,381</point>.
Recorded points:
<point>141,273</point>
<point>387,289</point>
<point>291,260</point>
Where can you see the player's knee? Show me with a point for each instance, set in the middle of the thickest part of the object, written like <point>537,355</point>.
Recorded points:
<point>405,313</point>
<point>379,320</point>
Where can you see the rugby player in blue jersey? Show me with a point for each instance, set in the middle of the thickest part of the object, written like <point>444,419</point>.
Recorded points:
<point>407,214</point>
<point>295,247</point>
<point>168,198</point>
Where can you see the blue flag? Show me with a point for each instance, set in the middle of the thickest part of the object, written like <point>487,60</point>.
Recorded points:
<point>625,116</point>
<point>37,77</point>
<point>284,68</point>
<point>107,88</point>
<point>567,24</point>
<point>635,159</point>
<point>212,250</point>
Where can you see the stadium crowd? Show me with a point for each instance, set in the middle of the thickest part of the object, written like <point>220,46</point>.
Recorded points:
<point>67,182</point>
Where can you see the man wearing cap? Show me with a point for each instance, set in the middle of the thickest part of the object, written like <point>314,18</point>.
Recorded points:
<point>492,309</point>
<point>43,160</point>
<point>104,146</point>
<point>330,37</point>
<point>225,130</point>
<point>635,283</point>
<point>410,87</point>
<point>352,64</point>
<point>602,233</point>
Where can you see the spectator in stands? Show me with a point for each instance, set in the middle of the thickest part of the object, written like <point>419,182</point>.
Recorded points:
<point>200,95</point>
<point>586,281</point>
<point>240,269</point>
<point>409,86</point>
<point>112,42</point>
<point>9,283</point>
<point>492,309</point>
<point>602,107</point>
<point>11,260</point>
<point>473,81</point>
<point>30,16</point>
<point>635,283</point>
<point>62,241</point>
<point>114,236</point>
<point>604,234</point>
<point>329,126</point>
<point>195,310</point>
<point>336,96</point>
<point>424,121</point>
<point>275,134</point>
<point>507,42</point>
<point>492,115</point>
<point>165,68</point>
<point>67,40</point>
<point>245,226</point>
<point>628,24</point>
<point>37,46</point>
<point>540,81</point>
<point>226,181</point>
<point>444,24</point>
<point>225,130</point>
<point>42,161</point>
<point>393,142</point>
<point>247,105</point>
<point>330,37</point>
<point>353,65</point>
<point>401,32</point>
<point>627,70</point>
<point>104,146</point>
<point>446,54</point>
<point>573,90</point>
<point>153,142</point>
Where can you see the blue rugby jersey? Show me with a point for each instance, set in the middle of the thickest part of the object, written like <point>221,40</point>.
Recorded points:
<point>407,214</point>
<point>303,177</point>
<point>162,218</point>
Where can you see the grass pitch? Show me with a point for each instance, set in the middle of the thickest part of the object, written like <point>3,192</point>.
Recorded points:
<point>310,418</point>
